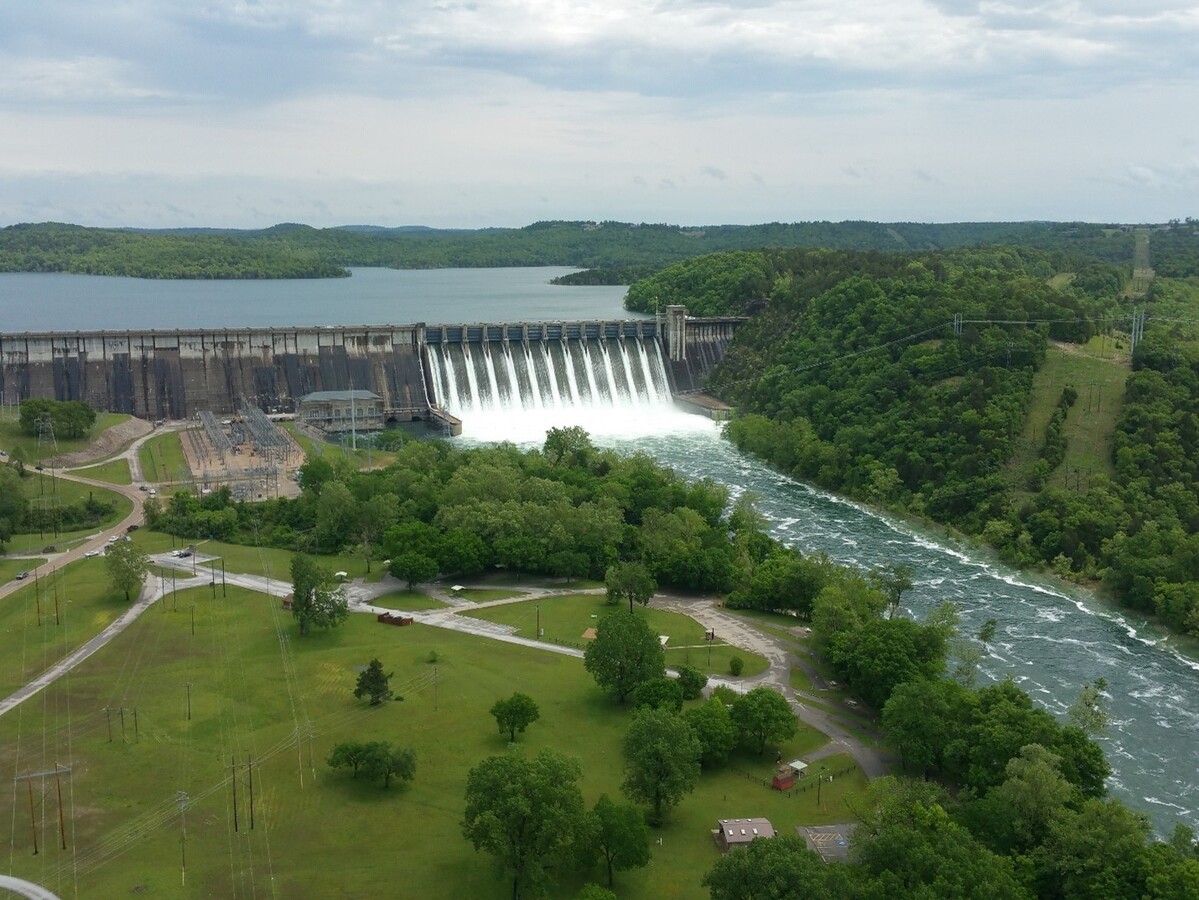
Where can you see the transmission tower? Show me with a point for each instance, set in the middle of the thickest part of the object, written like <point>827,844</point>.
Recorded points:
<point>47,441</point>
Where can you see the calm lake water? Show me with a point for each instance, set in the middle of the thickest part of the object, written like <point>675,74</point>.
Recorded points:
<point>53,302</point>
<point>1052,639</point>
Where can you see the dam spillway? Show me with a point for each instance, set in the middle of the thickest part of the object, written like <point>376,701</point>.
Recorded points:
<point>415,369</point>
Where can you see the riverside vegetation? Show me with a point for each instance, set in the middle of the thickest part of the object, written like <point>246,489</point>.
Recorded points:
<point>850,375</point>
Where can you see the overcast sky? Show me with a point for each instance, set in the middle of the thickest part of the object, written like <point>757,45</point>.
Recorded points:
<point>245,113</point>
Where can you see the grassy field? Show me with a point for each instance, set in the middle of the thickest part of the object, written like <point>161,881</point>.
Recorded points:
<point>1098,372</point>
<point>162,459</point>
<point>270,562</point>
<point>564,618</point>
<point>258,692</point>
<point>12,438</point>
<point>361,458</point>
<point>408,601</point>
<point>9,568</point>
<point>485,595</point>
<point>86,605</point>
<point>42,488</point>
<point>115,471</point>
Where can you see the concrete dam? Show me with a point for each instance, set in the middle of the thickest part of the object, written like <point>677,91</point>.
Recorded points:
<point>416,369</point>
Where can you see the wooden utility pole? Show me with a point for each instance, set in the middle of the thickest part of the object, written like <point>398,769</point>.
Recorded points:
<point>62,828</point>
<point>62,825</point>
<point>182,795</point>
<point>233,769</point>
<point>250,766</point>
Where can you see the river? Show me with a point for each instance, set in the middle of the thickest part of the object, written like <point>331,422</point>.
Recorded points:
<point>1051,639</point>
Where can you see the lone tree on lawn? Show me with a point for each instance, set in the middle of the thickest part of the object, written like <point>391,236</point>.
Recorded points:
<point>629,580</point>
<point>661,760</point>
<point>377,759</point>
<point>388,762</point>
<point>764,715</point>
<point>127,567</point>
<point>526,813</point>
<point>316,599</point>
<point>625,653</point>
<point>373,682</point>
<point>618,833</point>
<point>515,714</point>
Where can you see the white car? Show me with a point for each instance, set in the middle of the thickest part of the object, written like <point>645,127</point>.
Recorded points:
<point>90,553</point>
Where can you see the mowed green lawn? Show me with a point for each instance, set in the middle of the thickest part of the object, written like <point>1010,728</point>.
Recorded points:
<point>269,562</point>
<point>40,488</point>
<point>260,693</point>
<point>115,471</point>
<point>564,618</point>
<point>12,437</point>
<point>1098,373</point>
<point>408,601</point>
<point>85,604</point>
<point>162,459</point>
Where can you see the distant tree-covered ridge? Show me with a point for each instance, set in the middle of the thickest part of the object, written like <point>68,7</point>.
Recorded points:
<point>615,252</point>
<point>95,251</point>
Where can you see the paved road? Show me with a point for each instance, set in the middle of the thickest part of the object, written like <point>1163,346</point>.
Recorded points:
<point>151,592</point>
<point>25,888</point>
<point>98,540</point>
<point>729,628</point>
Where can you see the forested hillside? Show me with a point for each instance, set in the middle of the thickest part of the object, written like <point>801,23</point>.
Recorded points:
<point>852,374</point>
<point>95,251</point>
<point>613,252</point>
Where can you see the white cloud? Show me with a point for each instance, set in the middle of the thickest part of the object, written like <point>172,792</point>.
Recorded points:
<point>448,112</point>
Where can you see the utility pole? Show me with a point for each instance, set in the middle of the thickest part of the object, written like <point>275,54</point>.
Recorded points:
<point>250,766</point>
<point>182,796</point>
<point>233,769</point>
<point>32,817</point>
<point>54,581</point>
<point>188,685</point>
<point>56,772</point>
<point>108,719</point>
<point>62,828</point>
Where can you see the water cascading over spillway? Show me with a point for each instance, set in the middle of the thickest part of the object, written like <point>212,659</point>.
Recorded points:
<point>517,390</point>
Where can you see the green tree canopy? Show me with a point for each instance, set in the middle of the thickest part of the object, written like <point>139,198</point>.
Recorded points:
<point>374,683</point>
<point>661,760</point>
<point>625,653</point>
<point>526,813</point>
<point>762,715</point>
<point>515,714</point>
<point>127,566</point>
<point>778,868</point>
<point>629,581</point>
<point>618,834</point>
<point>317,601</point>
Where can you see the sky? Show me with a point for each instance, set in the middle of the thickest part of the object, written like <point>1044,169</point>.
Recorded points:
<point>246,113</point>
